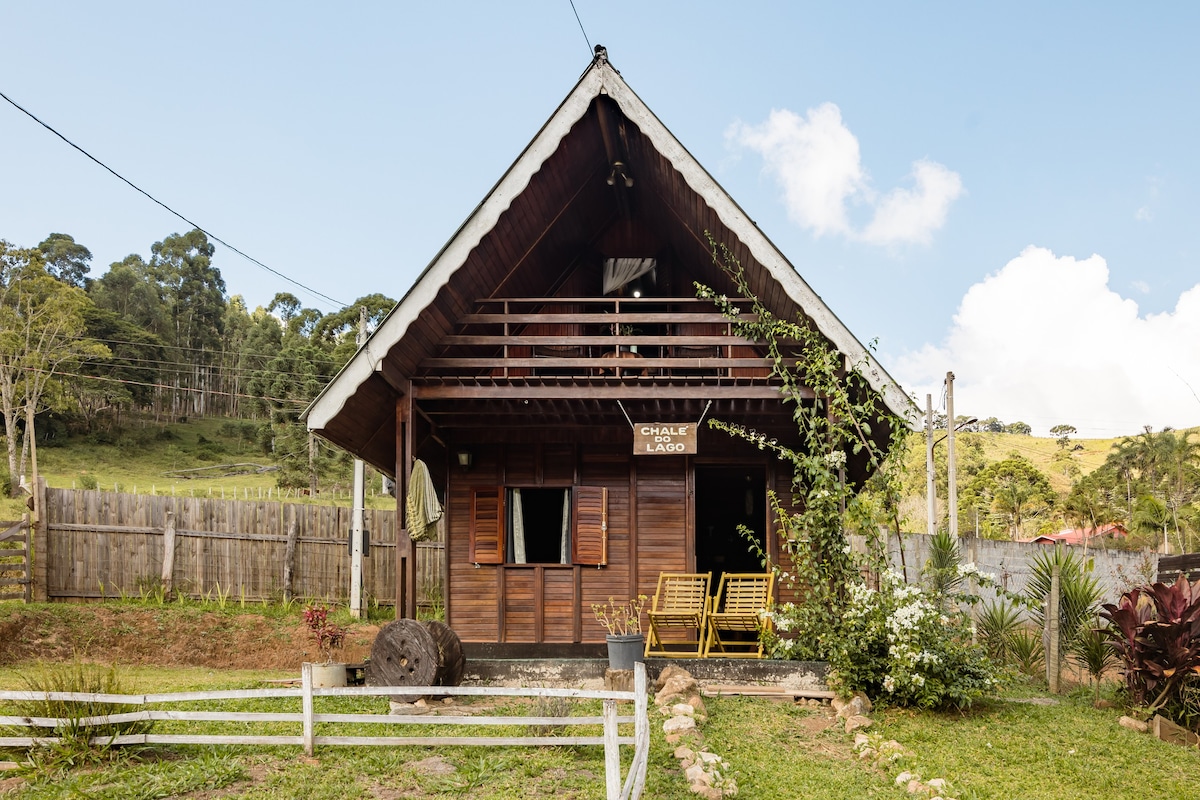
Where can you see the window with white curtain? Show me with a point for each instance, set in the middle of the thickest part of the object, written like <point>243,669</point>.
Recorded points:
<point>539,525</point>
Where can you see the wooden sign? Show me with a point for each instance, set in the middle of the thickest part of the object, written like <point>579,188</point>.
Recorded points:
<point>663,438</point>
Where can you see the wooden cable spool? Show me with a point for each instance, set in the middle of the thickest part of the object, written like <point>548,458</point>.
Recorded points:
<point>411,653</point>
<point>450,653</point>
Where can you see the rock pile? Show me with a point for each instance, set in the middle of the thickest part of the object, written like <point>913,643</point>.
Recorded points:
<point>677,697</point>
<point>886,755</point>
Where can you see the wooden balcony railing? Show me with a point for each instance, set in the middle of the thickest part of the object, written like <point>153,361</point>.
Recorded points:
<point>596,338</point>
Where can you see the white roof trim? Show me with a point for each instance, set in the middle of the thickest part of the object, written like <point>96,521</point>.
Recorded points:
<point>599,79</point>
<point>762,249</point>
<point>331,400</point>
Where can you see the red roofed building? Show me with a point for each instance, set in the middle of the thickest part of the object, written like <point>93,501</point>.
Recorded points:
<point>1111,530</point>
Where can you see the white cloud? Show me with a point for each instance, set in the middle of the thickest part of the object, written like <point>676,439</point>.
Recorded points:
<point>816,160</point>
<point>911,216</point>
<point>1143,214</point>
<point>1141,286</point>
<point>1046,341</point>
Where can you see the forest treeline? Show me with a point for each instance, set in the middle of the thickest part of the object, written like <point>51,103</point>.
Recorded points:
<point>160,336</point>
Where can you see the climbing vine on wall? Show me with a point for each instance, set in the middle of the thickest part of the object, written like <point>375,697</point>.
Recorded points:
<point>837,414</point>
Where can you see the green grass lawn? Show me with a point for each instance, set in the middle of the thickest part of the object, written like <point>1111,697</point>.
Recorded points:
<point>775,750</point>
<point>147,457</point>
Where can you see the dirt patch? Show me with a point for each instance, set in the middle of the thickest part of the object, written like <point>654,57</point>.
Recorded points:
<point>164,636</point>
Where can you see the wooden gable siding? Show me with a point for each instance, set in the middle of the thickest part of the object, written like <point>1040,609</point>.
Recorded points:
<point>565,205</point>
<point>545,244</point>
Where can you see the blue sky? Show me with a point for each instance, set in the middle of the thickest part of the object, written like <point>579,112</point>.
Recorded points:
<point>1006,191</point>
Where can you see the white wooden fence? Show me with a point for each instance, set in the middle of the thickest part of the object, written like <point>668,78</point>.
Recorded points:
<point>307,718</point>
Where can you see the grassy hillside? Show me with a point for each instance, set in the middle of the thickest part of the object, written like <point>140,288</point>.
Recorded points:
<point>193,457</point>
<point>1042,452</point>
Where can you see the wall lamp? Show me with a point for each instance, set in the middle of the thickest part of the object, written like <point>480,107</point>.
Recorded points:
<point>464,459</point>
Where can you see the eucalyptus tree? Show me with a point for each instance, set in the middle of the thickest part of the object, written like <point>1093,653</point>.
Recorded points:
<point>42,334</point>
<point>66,259</point>
<point>194,295</point>
<point>131,290</point>
<point>1092,501</point>
<point>127,378</point>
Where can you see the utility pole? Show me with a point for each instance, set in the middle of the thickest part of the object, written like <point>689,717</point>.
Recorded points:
<point>356,518</point>
<point>930,487</point>
<point>951,464</point>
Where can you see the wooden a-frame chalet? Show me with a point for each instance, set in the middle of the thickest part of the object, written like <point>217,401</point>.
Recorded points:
<point>561,315</point>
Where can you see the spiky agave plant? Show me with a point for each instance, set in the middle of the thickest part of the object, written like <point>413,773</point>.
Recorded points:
<point>997,624</point>
<point>1094,649</point>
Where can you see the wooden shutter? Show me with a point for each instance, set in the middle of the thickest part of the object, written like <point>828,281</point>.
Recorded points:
<point>487,525</point>
<point>589,545</point>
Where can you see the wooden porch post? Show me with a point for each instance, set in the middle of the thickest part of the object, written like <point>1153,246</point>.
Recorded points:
<point>404,546</point>
<point>406,552</point>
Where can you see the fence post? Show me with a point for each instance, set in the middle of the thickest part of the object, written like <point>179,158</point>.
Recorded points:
<point>168,565</point>
<point>306,695</point>
<point>41,567</point>
<point>641,727</point>
<point>289,559</point>
<point>612,755</point>
<point>25,522</point>
<point>1052,633</point>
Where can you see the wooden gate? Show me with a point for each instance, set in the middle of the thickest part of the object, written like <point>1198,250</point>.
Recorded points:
<point>16,572</point>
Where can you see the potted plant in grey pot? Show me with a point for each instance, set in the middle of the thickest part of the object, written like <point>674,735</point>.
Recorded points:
<point>623,621</point>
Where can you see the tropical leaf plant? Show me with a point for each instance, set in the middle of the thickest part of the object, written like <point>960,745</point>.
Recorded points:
<point>1156,631</point>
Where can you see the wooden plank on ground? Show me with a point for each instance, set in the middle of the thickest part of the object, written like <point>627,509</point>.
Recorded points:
<point>751,690</point>
<point>1174,734</point>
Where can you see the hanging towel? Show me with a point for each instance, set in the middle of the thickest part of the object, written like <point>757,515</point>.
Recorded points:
<point>421,508</point>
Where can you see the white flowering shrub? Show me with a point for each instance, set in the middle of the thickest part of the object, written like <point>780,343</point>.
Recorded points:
<point>898,645</point>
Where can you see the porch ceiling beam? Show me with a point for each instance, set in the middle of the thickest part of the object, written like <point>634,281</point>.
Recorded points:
<point>598,363</point>
<point>390,373</point>
<point>606,318</point>
<point>499,340</point>
<point>617,392</point>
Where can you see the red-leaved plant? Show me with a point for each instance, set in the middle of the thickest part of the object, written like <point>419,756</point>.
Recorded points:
<point>327,635</point>
<point>1156,631</point>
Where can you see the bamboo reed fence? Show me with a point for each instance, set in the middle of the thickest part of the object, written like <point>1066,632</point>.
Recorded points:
<point>610,738</point>
<point>94,544</point>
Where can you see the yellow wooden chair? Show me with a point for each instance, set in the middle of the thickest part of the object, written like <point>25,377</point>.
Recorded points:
<point>738,607</point>
<point>680,603</point>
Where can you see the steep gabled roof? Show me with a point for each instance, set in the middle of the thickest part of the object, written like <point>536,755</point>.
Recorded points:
<point>543,205</point>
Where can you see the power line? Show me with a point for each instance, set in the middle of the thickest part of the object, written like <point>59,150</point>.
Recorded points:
<point>185,366</point>
<point>581,30</point>
<point>174,389</point>
<point>142,191</point>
